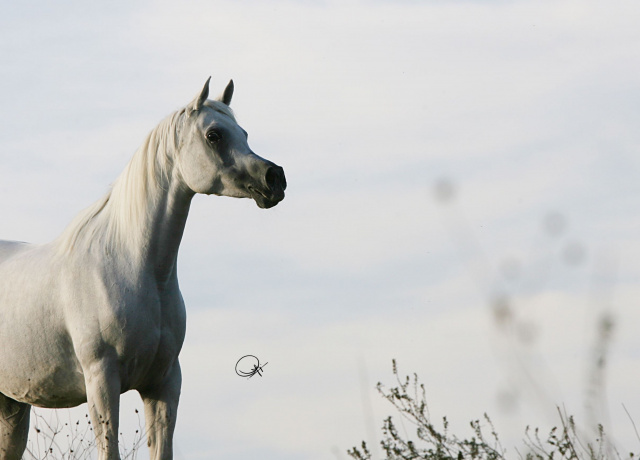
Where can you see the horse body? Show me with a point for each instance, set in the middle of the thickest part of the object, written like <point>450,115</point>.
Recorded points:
<point>98,311</point>
<point>67,312</point>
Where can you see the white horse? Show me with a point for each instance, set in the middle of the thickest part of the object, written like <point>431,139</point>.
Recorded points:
<point>98,311</point>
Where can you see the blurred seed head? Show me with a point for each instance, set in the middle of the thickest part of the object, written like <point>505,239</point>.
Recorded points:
<point>527,333</point>
<point>554,224</point>
<point>444,191</point>
<point>507,401</point>
<point>510,269</point>
<point>574,253</point>
<point>502,311</point>
<point>606,325</point>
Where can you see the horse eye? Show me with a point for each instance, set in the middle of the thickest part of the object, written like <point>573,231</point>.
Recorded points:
<point>213,136</point>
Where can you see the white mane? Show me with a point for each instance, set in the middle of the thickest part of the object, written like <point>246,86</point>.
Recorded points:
<point>118,219</point>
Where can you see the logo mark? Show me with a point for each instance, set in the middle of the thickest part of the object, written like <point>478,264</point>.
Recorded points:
<point>248,366</point>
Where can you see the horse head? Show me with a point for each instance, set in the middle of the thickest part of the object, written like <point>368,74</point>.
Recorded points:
<point>214,156</point>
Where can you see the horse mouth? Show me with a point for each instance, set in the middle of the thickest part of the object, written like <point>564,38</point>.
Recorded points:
<point>264,199</point>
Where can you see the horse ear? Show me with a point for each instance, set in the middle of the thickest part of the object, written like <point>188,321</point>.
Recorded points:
<point>198,102</point>
<point>228,93</point>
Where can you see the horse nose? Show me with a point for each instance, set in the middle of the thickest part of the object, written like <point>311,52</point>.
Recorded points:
<point>275,179</point>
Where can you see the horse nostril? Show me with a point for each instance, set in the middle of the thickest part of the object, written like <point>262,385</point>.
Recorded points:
<point>270,178</point>
<point>283,180</point>
<point>275,178</point>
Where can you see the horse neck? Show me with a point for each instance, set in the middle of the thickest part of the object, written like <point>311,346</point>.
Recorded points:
<point>166,226</point>
<point>149,212</point>
<point>144,221</point>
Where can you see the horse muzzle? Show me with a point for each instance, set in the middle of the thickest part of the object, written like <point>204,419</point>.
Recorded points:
<point>270,191</point>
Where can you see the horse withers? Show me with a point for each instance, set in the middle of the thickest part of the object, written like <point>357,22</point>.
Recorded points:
<point>98,311</point>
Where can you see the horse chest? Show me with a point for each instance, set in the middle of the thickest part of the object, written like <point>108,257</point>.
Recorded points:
<point>149,349</point>
<point>142,324</point>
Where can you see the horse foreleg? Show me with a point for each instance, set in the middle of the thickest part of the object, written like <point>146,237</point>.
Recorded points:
<point>14,428</point>
<point>103,397</point>
<point>161,409</point>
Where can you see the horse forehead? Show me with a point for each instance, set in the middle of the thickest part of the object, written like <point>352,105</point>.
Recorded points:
<point>211,116</point>
<point>219,110</point>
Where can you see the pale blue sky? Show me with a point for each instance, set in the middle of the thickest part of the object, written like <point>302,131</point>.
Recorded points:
<point>528,108</point>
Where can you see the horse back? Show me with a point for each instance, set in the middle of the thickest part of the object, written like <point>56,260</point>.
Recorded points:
<point>10,248</point>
